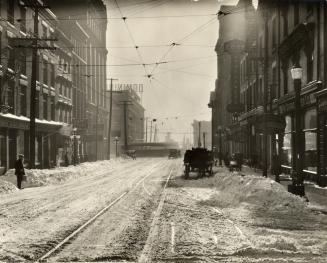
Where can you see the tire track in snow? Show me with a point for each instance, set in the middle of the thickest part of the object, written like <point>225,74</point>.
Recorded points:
<point>91,220</point>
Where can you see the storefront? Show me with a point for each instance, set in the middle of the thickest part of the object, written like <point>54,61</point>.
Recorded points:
<point>322,137</point>
<point>14,139</point>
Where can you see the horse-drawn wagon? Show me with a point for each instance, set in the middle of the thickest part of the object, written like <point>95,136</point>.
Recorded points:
<point>198,160</point>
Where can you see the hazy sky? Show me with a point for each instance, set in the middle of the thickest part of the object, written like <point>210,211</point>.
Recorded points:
<point>177,91</point>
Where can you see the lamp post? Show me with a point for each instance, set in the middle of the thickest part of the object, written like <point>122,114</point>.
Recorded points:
<point>116,141</point>
<point>75,137</point>
<point>297,186</point>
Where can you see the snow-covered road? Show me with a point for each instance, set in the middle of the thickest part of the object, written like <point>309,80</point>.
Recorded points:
<point>225,218</point>
<point>35,219</point>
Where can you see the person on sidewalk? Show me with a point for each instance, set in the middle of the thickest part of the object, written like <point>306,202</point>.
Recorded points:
<point>19,170</point>
<point>276,168</point>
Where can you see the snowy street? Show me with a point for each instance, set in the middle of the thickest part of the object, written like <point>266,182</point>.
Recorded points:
<point>154,215</point>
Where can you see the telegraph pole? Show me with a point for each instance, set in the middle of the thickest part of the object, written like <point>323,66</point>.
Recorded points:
<point>35,64</point>
<point>110,118</point>
<point>96,131</point>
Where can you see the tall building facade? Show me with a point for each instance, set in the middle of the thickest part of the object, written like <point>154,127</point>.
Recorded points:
<point>288,33</point>
<point>85,23</point>
<point>63,96</point>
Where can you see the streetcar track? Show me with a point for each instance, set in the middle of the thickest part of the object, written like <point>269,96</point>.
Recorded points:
<point>101,212</point>
<point>145,254</point>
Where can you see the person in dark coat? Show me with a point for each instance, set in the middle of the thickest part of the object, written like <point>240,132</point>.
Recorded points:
<point>19,170</point>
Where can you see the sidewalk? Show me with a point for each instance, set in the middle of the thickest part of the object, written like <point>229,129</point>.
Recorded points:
<point>317,196</point>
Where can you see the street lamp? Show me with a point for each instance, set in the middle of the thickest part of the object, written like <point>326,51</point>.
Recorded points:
<point>297,186</point>
<point>75,137</point>
<point>220,131</point>
<point>116,139</point>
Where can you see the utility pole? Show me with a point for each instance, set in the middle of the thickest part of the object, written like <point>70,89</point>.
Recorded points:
<point>96,131</point>
<point>110,118</point>
<point>265,97</point>
<point>151,131</point>
<point>125,104</point>
<point>204,140</point>
<point>35,64</point>
<point>199,139</point>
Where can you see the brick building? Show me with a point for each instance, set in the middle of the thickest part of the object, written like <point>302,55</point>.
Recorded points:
<point>287,33</point>
<point>63,95</point>
<point>85,24</point>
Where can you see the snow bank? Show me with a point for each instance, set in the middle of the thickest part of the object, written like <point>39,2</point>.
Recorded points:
<point>255,190</point>
<point>37,177</point>
<point>7,187</point>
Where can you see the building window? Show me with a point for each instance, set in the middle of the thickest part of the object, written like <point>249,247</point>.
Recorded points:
<point>11,59</point>
<point>45,106</point>
<point>52,108</point>
<point>45,31</point>
<point>45,71</point>
<point>22,101</point>
<point>310,136</point>
<point>37,106</point>
<point>23,62</point>
<point>11,96</point>
<point>287,143</point>
<point>22,19</point>
<point>11,11</point>
<point>60,115</point>
<point>52,76</point>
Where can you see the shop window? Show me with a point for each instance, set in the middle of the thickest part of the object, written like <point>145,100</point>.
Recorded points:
<point>287,143</point>
<point>310,136</point>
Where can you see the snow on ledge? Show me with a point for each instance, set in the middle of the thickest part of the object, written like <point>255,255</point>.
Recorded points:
<point>23,118</point>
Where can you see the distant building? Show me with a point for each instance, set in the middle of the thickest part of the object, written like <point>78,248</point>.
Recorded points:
<point>127,118</point>
<point>202,136</point>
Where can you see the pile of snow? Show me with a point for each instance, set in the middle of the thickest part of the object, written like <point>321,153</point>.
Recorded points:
<point>37,177</point>
<point>7,187</point>
<point>234,191</point>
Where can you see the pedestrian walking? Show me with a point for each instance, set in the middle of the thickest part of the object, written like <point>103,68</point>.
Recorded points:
<point>19,170</point>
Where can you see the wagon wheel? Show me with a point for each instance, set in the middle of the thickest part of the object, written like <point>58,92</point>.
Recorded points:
<point>187,171</point>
